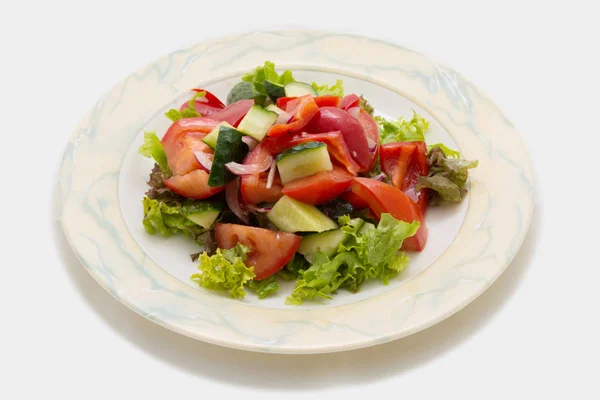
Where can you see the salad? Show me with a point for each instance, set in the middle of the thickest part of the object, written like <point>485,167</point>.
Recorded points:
<point>296,181</point>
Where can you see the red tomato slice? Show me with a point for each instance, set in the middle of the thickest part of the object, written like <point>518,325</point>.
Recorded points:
<point>371,132</point>
<point>356,202</point>
<point>193,185</point>
<point>349,101</point>
<point>254,187</point>
<point>405,162</point>
<point>330,119</point>
<point>182,139</point>
<point>210,99</point>
<point>305,110</point>
<point>233,113</point>
<point>336,146</point>
<point>271,250</point>
<point>384,198</point>
<point>319,188</point>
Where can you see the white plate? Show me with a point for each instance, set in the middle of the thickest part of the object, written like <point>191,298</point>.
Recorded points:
<point>102,180</point>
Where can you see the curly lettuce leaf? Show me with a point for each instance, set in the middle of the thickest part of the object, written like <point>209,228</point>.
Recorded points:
<point>291,270</point>
<point>447,150</point>
<point>267,72</point>
<point>189,112</point>
<point>333,90</point>
<point>225,270</point>
<point>264,288</point>
<point>364,104</point>
<point>447,177</point>
<point>370,252</point>
<point>401,130</point>
<point>167,219</point>
<point>152,148</point>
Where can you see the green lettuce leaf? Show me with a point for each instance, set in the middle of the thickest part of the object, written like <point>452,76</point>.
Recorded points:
<point>370,252</point>
<point>447,150</point>
<point>267,72</point>
<point>225,270</point>
<point>333,90</point>
<point>364,104</point>
<point>264,288</point>
<point>167,219</point>
<point>447,177</point>
<point>189,112</point>
<point>402,130</point>
<point>152,148</point>
<point>291,270</point>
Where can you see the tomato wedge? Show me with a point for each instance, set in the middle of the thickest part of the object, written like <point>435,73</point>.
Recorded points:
<point>405,162</point>
<point>210,99</point>
<point>233,113</point>
<point>319,188</point>
<point>349,101</point>
<point>254,187</point>
<point>330,119</point>
<point>303,112</point>
<point>271,250</point>
<point>384,198</point>
<point>182,139</point>
<point>336,146</point>
<point>193,185</point>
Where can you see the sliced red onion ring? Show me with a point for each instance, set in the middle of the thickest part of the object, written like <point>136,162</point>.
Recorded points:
<point>250,142</point>
<point>259,209</point>
<point>379,177</point>
<point>249,169</point>
<point>354,111</point>
<point>284,116</point>
<point>205,160</point>
<point>413,196</point>
<point>271,176</point>
<point>233,200</point>
<point>372,145</point>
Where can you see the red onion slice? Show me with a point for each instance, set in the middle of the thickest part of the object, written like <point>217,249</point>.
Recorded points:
<point>379,177</point>
<point>205,160</point>
<point>271,176</point>
<point>284,116</point>
<point>249,169</point>
<point>259,209</point>
<point>250,142</point>
<point>233,200</point>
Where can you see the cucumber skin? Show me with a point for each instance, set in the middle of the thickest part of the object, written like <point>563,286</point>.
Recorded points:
<point>274,90</point>
<point>244,91</point>
<point>310,243</point>
<point>299,149</point>
<point>230,147</point>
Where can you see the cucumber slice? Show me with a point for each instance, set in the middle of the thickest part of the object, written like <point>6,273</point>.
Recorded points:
<point>326,242</point>
<point>290,215</point>
<point>297,89</point>
<point>230,147</point>
<point>257,122</point>
<point>211,138</point>
<point>202,213</point>
<point>243,91</point>
<point>303,160</point>
<point>275,109</point>
<point>274,90</point>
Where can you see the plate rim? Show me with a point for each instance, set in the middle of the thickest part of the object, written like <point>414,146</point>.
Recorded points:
<point>256,345</point>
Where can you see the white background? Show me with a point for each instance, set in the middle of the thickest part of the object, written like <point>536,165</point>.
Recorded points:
<point>533,334</point>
